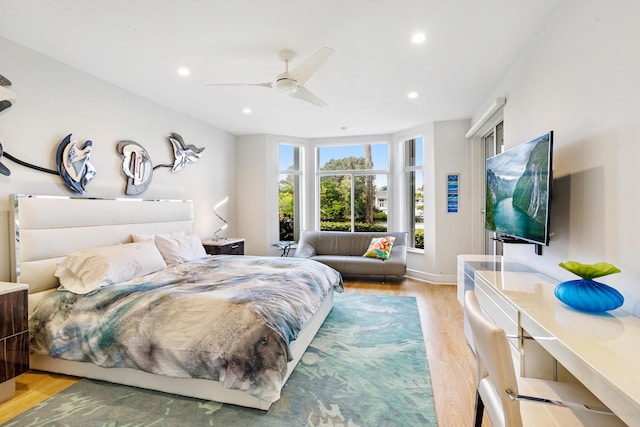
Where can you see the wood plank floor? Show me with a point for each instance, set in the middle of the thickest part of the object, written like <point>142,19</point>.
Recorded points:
<point>451,362</point>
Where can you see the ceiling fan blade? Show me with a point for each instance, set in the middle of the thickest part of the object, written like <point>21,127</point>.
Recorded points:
<point>305,95</point>
<point>269,85</point>
<point>305,70</point>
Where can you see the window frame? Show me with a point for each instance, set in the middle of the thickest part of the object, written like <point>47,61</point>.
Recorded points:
<point>409,186</point>
<point>298,185</point>
<point>352,173</point>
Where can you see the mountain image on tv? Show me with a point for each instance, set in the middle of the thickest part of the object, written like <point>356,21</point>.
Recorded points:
<point>518,190</point>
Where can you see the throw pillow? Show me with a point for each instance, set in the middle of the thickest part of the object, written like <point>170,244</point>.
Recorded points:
<point>178,247</point>
<point>380,247</point>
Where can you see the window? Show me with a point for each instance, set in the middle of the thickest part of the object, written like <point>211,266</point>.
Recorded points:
<point>493,144</point>
<point>353,187</point>
<point>414,192</point>
<point>290,191</point>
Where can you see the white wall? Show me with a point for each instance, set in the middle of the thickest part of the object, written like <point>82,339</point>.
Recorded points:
<point>257,176</point>
<point>54,100</point>
<point>445,152</point>
<point>580,77</point>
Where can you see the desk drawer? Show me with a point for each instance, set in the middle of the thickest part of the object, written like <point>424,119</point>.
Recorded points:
<point>499,310</point>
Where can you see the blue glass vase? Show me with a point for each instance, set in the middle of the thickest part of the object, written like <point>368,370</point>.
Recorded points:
<point>589,295</point>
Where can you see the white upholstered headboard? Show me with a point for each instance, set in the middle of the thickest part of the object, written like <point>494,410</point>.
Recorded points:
<point>46,228</point>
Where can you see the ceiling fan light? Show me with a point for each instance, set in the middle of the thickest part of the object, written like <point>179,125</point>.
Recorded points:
<point>287,86</point>
<point>184,71</point>
<point>418,38</point>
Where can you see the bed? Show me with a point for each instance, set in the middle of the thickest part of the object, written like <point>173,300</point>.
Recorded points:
<point>50,231</point>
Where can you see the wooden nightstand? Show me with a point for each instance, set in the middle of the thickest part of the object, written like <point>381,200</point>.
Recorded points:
<point>14,336</point>
<point>229,246</point>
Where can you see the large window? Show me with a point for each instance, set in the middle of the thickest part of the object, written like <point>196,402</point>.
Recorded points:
<point>414,192</point>
<point>353,187</point>
<point>290,191</point>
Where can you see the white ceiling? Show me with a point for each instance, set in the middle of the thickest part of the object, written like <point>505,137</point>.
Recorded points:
<point>139,44</point>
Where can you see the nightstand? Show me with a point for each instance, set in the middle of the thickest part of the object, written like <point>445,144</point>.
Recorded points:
<point>14,336</point>
<point>229,246</point>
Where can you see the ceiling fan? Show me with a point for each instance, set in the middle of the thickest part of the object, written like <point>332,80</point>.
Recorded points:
<point>292,82</point>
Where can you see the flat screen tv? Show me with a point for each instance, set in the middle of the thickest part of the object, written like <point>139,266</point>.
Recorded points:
<point>519,192</point>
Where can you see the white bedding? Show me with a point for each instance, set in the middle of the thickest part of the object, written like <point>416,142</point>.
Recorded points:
<point>225,318</point>
<point>77,224</point>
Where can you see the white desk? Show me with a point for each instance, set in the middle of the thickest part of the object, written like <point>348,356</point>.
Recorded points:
<point>601,350</point>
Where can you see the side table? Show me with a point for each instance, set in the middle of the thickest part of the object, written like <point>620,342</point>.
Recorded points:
<point>14,336</point>
<point>285,246</point>
<point>230,246</point>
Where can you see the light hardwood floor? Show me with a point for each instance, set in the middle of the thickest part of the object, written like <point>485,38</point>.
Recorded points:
<point>451,362</point>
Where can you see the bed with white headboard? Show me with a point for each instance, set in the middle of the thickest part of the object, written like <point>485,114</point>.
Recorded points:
<point>48,228</point>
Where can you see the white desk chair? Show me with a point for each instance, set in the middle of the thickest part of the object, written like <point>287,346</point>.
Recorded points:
<point>511,401</point>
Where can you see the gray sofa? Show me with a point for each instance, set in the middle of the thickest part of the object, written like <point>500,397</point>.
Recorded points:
<point>344,252</point>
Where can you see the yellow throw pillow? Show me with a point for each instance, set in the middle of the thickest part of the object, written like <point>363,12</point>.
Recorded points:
<point>380,247</point>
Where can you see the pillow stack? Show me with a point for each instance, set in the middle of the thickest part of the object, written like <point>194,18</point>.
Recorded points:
<point>85,271</point>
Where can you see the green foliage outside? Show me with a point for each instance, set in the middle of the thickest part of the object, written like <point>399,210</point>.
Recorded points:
<point>335,201</point>
<point>286,201</point>
<point>362,227</point>
<point>419,243</point>
<point>346,226</point>
<point>344,164</point>
<point>335,192</point>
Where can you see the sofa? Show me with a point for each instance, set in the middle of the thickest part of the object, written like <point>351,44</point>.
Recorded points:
<point>344,252</point>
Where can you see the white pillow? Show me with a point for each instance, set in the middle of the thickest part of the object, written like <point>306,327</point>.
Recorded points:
<point>84,271</point>
<point>176,248</point>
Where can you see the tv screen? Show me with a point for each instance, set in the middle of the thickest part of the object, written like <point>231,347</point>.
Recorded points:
<point>519,191</point>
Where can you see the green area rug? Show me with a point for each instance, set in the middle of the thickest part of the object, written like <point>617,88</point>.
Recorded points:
<point>367,366</point>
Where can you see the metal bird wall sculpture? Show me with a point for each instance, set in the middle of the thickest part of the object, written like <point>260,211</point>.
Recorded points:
<point>74,165</point>
<point>183,153</point>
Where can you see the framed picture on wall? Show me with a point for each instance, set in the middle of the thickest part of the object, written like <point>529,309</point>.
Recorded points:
<point>453,192</point>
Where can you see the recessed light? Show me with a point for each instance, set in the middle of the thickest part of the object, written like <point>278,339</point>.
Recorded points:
<point>412,95</point>
<point>246,110</point>
<point>418,38</point>
<point>184,71</point>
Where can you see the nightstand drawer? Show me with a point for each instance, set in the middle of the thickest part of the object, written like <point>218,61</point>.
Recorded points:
<point>224,247</point>
<point>13,312</point>
<point>14,358</point>
<point>14,336</point>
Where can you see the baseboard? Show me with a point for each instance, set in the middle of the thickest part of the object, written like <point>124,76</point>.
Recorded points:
<point>435,279</point>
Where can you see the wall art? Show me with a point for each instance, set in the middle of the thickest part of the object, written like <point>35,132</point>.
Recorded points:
<point>182,153</point>
<point>3,169</point>
<point>136,165</point>
<point>74,165</point>
<point>6,95</point>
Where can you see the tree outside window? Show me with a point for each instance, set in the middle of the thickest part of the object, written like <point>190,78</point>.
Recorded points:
<point>353,180</point>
